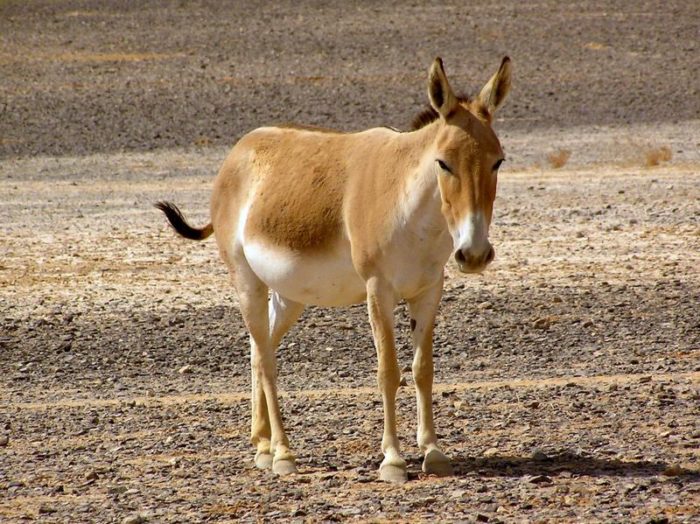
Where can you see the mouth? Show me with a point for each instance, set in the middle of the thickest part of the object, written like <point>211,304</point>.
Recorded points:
<point>471,270</point>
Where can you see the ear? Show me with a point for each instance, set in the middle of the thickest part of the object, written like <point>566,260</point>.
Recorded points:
<point>495,91</point>
<point>442,98</point>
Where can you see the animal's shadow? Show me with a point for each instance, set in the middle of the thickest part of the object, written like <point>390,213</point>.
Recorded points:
<point>563,463</point>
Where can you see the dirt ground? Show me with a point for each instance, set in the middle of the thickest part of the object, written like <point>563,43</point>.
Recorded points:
<point>568,375</point>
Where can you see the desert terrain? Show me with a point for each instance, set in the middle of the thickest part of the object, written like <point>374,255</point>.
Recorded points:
<point>567,375</point>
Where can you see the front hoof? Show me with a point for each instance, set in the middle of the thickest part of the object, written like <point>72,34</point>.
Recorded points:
<point>437,463</point>
<point>283,467</point>
<point>393,474</point>
<point>263,460</point>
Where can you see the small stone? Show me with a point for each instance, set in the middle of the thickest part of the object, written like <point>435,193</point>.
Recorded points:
<point>533,405</point>
<point>675,470</point>
<point>539,456</point>
<point>403,382</point>
<point>541,323</point>
<point>458,494</point>
<point>480,517</point>
<point>45,509</point>
<point>644,380</point>
<point>92,475</point>
<point>185,369</point>
<point>133,519</point>
<point>491,452</point>
<point>4,441</point>
<point>539,479</point>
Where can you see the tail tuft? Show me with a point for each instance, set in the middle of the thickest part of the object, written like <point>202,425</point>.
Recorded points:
<point>179,223</point>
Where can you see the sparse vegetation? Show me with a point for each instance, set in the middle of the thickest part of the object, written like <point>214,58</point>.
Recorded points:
<point>558,158</point>
<point>654,156</point>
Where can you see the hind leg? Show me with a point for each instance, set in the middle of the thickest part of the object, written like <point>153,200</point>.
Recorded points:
<point>282,313</point>
<point>267,430</point>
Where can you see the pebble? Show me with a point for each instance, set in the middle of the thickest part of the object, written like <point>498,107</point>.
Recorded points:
<point>92,475</point>
<point>675,470</point>
<point>4,440</point>
<point>133,519</point>
<point>185,369</point>
<point>539,456</point>
<point>539,479</point>
<point>541,323</point>
<point>491,452</point>
<point>45,509</point>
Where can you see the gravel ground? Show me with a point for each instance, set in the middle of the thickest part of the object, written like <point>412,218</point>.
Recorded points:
<point>86,76</point>
<point>568,374</point>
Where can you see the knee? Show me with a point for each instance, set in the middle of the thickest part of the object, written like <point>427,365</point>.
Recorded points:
<point>389,378</point>
<point>423,373</point>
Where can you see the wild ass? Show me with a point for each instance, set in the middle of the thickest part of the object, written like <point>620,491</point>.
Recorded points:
<point>328,218</point>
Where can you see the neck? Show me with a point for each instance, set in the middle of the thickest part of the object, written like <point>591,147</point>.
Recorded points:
<point>421,202</point>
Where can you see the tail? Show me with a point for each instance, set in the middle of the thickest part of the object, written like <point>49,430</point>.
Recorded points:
<point>177,220</point>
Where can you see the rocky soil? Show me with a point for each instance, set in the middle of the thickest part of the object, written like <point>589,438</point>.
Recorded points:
<point>568,375</point>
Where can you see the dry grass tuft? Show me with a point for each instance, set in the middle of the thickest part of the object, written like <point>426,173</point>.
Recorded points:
<point>653,156</point>
<point>558,158</point>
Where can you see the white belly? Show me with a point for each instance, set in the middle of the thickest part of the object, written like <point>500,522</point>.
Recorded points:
<point>321,279</point>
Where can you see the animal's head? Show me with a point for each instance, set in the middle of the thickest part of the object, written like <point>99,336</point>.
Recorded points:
<point>467,157</point>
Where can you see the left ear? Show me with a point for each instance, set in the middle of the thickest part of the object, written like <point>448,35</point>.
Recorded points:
<point>495,91</point>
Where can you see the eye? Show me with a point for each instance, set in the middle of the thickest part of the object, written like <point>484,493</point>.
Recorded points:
<point>498,164</point>
<point>444,166</point>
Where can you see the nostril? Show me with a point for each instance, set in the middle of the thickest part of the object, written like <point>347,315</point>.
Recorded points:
<point>459,257</point>
<point>490,255</point>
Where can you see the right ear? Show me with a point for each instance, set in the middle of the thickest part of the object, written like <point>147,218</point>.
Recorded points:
<point>442,98</point>
<point>495,91</point>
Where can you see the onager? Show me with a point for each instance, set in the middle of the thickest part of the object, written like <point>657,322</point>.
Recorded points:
<point>313,216</point>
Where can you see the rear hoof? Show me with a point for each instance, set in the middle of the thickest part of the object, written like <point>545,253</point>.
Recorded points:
<point>393,474</point>
<point>437,463</point>
<point>263,460</point>
<point>284,467</point>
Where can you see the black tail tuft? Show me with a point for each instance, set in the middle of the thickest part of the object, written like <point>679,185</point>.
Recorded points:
<point>179,223</point>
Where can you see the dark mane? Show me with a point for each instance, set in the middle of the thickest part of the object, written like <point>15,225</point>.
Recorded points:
<point>429,115</point>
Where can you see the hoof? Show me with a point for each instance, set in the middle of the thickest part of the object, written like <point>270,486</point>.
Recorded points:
<point>284,467</point>
<point>393,474</point>
<point>263,460</point>
<point>437,463</point>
